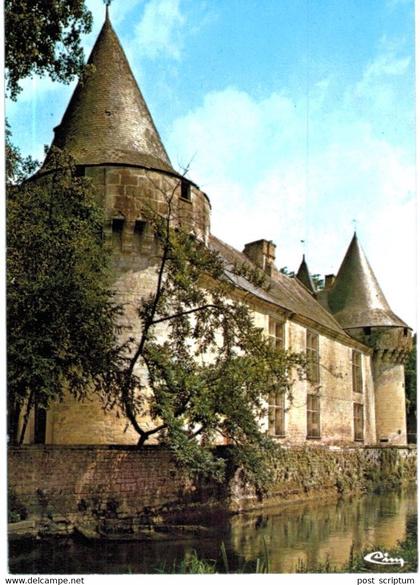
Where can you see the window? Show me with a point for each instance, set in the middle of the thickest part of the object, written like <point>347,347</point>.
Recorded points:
<point>40,427</point>
<point>117,232</point>
<point>357,371</point>
<point>313,414</point>
<point>185,190</point>
<point>312,356</point>
<point>358,421</point>
<point>276,414</point>
<point>367,330</point>
<point>276,333</point>
<point>79,171</point>
<point>139,232</point>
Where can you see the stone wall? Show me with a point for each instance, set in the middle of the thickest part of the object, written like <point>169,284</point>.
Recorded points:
<point>121,490</point>
<point>72,422</point>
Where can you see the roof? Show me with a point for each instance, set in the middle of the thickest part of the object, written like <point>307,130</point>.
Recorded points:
<point>356,299</point>
<point>304,276</point>
<point>285,292</point>
<point>107,120</point>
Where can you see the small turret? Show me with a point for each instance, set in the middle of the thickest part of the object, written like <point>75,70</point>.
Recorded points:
<point>304,276</point>
<point>359,305</point>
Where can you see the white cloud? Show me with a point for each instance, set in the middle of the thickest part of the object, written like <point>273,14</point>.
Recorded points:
<point>34,89</point>
<point>252,158</point>
<point>161,29</point>
<point>377,73</point>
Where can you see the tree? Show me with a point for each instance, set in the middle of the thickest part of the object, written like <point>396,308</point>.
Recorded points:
<point>319,283</point>
<point>44,38</point>
<point>410,373</point>
<point>200,369</point>
<point>61,319</point>
<point>61,314</point>
<point>18,168</point>
<point>284,270</point>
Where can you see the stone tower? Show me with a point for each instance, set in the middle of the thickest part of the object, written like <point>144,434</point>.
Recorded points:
<point>359,305</point>
<point>108,129</point>
<point>110,133</point>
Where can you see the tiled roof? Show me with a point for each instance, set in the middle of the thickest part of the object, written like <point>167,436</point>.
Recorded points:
<point>107,119</point>
<point>283,291</point>
<point>356,299</point>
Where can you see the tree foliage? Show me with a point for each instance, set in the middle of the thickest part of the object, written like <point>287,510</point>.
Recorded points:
<point>284,270</point>
<point>61,314</point>
<point>318,281</point>
<point>200,369</point>
<point>44,38</point>
<point>18,167</point>
<point>411,379</point>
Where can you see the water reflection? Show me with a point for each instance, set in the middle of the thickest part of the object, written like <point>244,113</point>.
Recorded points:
<point>312,533</point>
<point>306,532</point>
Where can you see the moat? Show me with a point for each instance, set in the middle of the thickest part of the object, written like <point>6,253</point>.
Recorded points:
<point>307,533</point>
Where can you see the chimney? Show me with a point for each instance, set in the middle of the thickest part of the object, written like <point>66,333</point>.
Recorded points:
<point>262,253</point>
<point>329,281</point>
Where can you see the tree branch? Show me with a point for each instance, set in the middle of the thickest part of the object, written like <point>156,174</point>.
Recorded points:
<point>182,313</point>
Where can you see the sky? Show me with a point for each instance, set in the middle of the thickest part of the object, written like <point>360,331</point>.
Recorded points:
<point>296,117</point>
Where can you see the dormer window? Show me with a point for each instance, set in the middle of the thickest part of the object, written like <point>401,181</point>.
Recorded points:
<point>185,190</point>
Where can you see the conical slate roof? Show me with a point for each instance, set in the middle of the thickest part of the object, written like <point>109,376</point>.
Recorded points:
<point>107,119</point>
<point>356,299</point>
<point>304,275</point>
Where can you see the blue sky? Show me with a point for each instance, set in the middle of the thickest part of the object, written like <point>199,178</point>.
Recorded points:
<point>296,116</point>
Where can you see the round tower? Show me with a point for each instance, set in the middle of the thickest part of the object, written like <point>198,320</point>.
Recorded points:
<point>108,129</point>
<point>359,305</point>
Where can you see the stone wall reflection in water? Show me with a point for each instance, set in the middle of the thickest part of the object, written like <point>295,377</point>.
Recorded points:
<point>312,533</point>
<point>307,532</point>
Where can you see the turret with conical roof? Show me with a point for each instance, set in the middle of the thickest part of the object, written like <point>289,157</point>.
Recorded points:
<point>359,305</point>
<point>356,299</point>
<point>108,130</point>
<point>304,276</point>
<point>107,119</point>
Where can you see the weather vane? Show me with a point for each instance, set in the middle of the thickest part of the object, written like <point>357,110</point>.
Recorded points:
<point>107,5</point>
<point>354,221</point>
<point>303,246</point>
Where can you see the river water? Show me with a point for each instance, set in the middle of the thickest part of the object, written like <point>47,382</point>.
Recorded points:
<point>292,534</point>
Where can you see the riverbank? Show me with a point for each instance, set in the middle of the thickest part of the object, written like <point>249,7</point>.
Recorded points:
<point>308,537</point>
<point>126,493</point>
